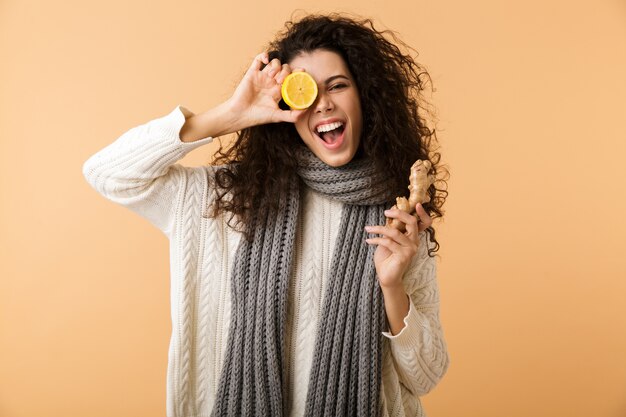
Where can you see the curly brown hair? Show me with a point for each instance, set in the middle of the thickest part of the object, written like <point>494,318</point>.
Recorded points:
<point>258,165</point>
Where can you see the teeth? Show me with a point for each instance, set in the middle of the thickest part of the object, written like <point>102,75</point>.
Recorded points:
<point>329,127</point>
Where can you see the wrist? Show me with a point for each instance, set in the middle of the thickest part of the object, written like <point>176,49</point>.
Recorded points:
<point>233,116</point>
<point>223,119</point>
<point>392,288</point>
<point>397,306</point>
<point>395,294</point>
<point>214,122</point>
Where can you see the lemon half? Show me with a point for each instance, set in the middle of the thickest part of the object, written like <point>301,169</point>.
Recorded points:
<point>299,90</point>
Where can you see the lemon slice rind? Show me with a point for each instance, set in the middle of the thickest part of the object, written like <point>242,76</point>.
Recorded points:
<point>299,90</point>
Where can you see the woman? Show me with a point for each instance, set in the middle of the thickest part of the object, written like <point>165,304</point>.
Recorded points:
<point>289,295</point>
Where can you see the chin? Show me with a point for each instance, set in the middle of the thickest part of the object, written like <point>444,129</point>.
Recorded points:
<point>335,161</point>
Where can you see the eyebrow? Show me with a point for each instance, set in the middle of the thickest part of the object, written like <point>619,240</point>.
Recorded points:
<point>334,77</point>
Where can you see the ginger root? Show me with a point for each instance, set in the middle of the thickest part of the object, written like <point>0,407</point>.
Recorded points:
<point>419,182</point>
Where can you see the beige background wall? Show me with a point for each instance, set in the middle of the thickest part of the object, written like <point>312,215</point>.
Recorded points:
<point>531,101</point>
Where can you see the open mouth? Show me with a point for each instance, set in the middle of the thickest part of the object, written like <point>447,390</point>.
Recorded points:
<point>332,139</point>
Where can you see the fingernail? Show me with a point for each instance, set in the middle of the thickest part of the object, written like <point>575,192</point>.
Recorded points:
<point>368,228</point>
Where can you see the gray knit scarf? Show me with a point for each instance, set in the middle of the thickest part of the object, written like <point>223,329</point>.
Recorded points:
<point>346,369</point>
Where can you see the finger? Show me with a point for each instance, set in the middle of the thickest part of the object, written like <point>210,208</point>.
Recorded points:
<point>284,72</point>
<point>412,228</point>
<point>393,247</point>
<point>387,243</point>
<point>294,115</point>
<point>391,233</point>
<point>396,213</point>
<point>258,61</point>
<point>290,116</point>
<point>271,68</point>
<point>425,220</point>
<point>408,219</point>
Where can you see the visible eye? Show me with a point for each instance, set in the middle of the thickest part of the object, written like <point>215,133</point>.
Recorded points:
<point>340,85</point>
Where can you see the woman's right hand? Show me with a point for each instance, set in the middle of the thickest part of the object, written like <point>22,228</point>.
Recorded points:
<point>255,100</point>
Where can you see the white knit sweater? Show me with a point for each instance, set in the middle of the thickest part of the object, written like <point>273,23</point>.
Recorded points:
<point>139,171</point>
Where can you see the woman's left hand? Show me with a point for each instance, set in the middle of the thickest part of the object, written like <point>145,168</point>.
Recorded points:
<point>396,249</point>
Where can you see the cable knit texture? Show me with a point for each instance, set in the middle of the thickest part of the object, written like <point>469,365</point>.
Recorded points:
<point>139,171</point>
<point>346,368</point>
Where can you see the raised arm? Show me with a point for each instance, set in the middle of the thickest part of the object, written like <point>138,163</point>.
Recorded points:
<point>408,280</point>
<point>254,102</point>
<point>138,170</point>
<point>419,351</point>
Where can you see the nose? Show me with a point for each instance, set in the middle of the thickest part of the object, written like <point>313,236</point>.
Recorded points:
<point>323,103</point>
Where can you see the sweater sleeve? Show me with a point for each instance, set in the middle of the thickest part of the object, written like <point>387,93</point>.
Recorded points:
<point>138,169</point>
<point>419,351</point>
